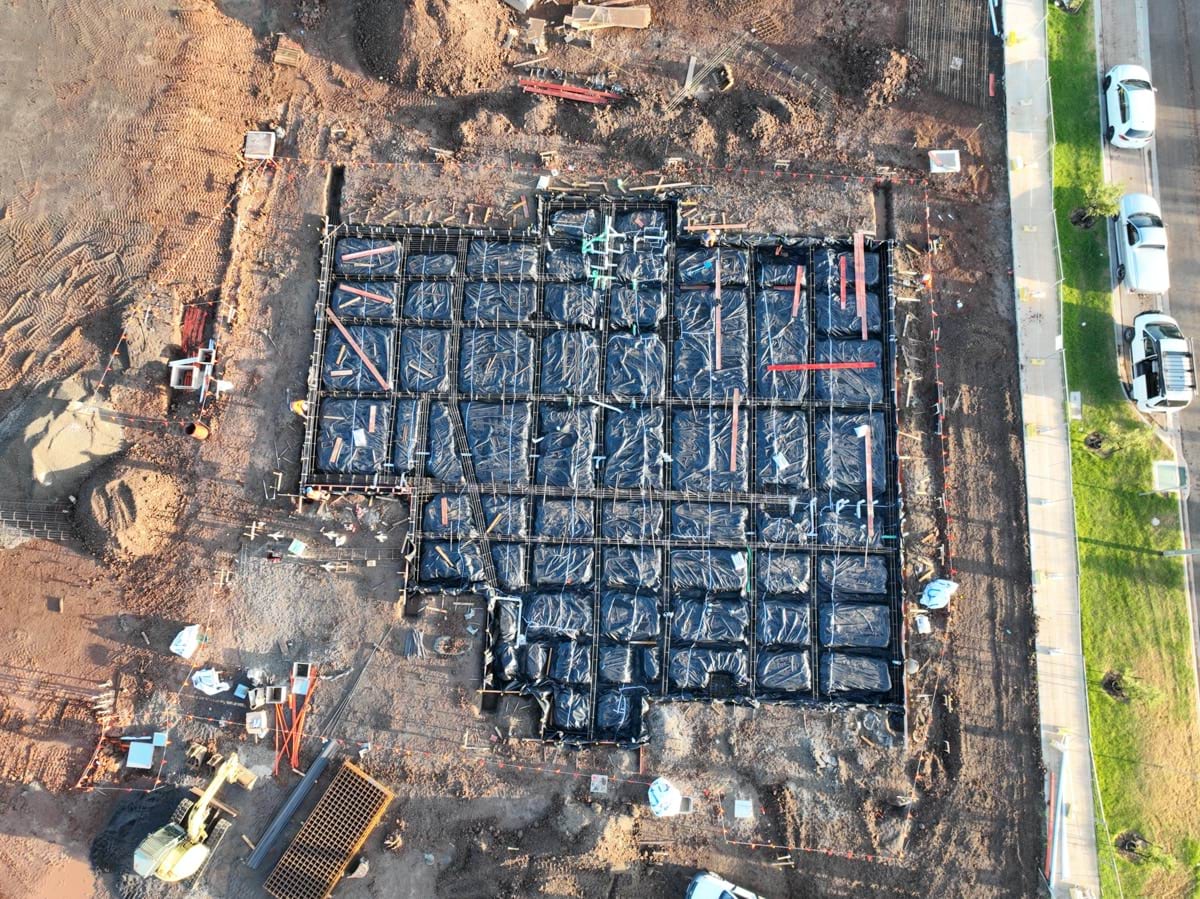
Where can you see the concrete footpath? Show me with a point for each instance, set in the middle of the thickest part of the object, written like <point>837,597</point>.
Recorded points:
<point>1062,684</point>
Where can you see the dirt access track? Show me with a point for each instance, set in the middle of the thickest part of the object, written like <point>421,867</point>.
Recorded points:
<point>129,220</point>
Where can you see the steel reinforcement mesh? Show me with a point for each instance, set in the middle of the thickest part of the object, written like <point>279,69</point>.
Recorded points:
<point>651,454</point>
<point>331,836</point>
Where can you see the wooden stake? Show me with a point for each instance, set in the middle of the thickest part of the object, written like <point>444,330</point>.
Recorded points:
<point>860,280</point>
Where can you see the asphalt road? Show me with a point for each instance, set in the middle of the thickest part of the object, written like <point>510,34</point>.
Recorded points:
<point>1174,27</point>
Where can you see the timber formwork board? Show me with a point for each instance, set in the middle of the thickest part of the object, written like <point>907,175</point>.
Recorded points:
<point>344,817</point>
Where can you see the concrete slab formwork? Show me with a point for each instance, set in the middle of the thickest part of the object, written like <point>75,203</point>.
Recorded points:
<point>669,463</point>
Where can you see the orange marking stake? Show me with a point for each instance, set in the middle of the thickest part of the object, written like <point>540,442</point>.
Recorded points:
<point>353,344</point>
<point>364,293</point>
<point>842,277</point>
<point>817,366</point>
<point>796,290</point>
<point>860,280</point>
<point>362,254</point>
<point>371,420</point>
<point>445,512</point>
<point>717,327</point>
<point>737,398</point>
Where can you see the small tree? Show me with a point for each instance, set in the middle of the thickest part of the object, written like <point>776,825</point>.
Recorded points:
<point>1100,201</point>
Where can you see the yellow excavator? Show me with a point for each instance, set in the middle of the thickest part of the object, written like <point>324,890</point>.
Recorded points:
<point>179,851</point>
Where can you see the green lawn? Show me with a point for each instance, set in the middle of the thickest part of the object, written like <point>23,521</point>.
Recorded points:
<point>1134,602</point>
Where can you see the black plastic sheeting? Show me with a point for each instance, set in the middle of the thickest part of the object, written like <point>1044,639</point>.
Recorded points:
<point>444,462</point>
<point>566,264</point>
<point>853,676</point>
<point>704,521</point>
<point>343,368</point>
<point>503,301</point>
<point>788,525</point>
<point>853,624</point>
<point>701,621</point>
<point>345,302</point>
<point>708,571</point>
<point>841,454</point>
<point>404,438</point>
<point>496,361</point>
<point>345,427</point>
<point>782,623</point>
<point>631,520</point>
<point>507,516</point>
<point>703,454</point>
<point>431,265</point>
<point>698,373</point>
<point>784,572</point>
<point>575,222</point>
<point>566,446</point>
<point>852,573</point>
<point>633,445</point>
<point>846,528</point>
<point>619,713</point>
<point>632,568</point>
<point>571,662</point>
<point>423,358</point>
<point>850,385</point>
<point>453,566</point>
<point>779,271</point>
<point>783,672</point>
<point>568,565</point>
<point>508,560</point>
<point>449,515</point>
<point>642,266</point>
<point>782,448</point>
<point>692,669</point>
<point>561,614</point>
<point>564,519</point>
<point>635,366</point>
<point>382,257</point>
<point>488,258</point>
<point>570,363</point>
<point>641,220</point>
<point>629,616</point>
<point>700,266</point>
<point>782,340</point>
<point>498,434</point>
<point>572,709</point>
<point>428,300</point>
<point>640,307</point>
<point>573,304</point>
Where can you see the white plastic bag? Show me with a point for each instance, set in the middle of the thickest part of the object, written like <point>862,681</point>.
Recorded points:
<point>936,594</point>
<point>208,681</point>
<point>186,641</point>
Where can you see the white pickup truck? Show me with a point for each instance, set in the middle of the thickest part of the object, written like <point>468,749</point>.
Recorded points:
<point>1163,368</point>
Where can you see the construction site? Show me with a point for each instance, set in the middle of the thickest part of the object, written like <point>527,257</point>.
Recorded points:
<point>483,448</point>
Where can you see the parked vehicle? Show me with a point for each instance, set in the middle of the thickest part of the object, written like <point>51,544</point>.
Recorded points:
<point>1164,370</point>
<point>1142,245</point>
<point>707,885</point>
<point>1129,107</point>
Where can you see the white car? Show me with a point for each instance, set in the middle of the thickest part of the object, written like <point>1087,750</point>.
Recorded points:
<point>1142,245</point>
<point>1129,107</point>
<point>707,885</point>
<point>1164,371</point>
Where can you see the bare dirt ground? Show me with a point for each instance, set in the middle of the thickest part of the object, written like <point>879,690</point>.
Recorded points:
<point>125,202</point>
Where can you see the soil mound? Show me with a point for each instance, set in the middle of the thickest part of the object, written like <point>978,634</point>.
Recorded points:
<point>126,512</point>
<point>439,46</point>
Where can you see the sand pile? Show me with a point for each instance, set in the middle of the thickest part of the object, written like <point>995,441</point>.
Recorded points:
<point>126,512</point>
<point>439,46</point>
